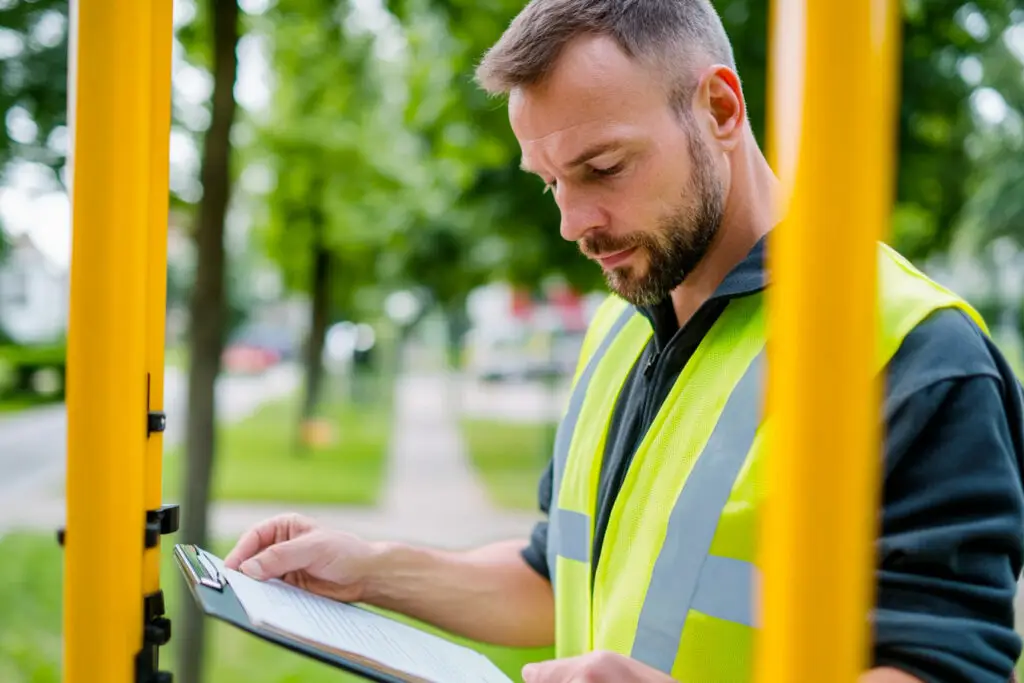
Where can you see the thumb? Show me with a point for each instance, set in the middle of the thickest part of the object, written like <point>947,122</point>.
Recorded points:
<point>280,558</point>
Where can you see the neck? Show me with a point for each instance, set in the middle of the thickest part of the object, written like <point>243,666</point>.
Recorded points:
<point>747,217</point>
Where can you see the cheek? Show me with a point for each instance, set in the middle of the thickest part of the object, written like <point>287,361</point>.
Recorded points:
<point>623,210</point>
<point>637,202</point>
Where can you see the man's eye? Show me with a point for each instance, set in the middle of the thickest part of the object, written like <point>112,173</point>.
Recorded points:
<point>607,172</point>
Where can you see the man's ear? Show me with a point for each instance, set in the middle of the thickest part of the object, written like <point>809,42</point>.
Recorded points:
<point>720,98</point>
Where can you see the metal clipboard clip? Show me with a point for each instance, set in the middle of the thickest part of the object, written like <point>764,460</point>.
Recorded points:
<point>199,568</point>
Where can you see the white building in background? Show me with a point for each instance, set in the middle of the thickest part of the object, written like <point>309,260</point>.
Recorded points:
<point>34,294</point>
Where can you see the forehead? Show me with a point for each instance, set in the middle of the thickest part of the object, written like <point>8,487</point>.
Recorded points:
<point>594,88</point>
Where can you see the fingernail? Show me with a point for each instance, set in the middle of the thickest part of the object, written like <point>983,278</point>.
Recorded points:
<point>527,672</point>
<point>252,569</point>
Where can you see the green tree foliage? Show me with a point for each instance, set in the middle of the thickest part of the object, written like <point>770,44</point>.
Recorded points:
<point>33,86</point>
<point>942,41</point>
<point>995,203</point>
<point>332,187</point>
<point>33,82</point>
<point>347,175</point>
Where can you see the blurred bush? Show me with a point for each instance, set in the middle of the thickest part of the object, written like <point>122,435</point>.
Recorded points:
<point>32,374</point>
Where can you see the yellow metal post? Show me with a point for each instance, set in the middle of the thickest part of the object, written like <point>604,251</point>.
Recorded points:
<point>111,182</point>
<point>831,136</point>
<point>156,281</point>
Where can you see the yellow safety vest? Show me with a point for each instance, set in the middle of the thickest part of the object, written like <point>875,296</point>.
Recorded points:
<point>674,581</point>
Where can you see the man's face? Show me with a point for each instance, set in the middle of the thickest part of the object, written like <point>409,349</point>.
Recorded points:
<point>638,189</point>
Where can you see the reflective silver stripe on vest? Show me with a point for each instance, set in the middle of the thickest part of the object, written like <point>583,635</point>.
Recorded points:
<point>569,531</point>
<point>573,534</point>
<point>685,576</point>
<point>725,590</point>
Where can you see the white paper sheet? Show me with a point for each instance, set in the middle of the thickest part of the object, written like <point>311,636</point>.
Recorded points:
<point>353,629</point>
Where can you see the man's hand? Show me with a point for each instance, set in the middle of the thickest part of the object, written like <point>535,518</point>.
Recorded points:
<point>593,667</point>
<point>295,549</point>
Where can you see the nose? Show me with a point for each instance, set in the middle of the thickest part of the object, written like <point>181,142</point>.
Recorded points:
<point>580,213</point>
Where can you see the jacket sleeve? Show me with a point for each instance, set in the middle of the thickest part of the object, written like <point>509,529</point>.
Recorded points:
<point>952,528</point>
<point>535,554</point>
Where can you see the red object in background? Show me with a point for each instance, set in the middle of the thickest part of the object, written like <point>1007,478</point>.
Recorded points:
<point>570,307</point>
<point>565,300</point>
<point>522,304</point>
<point>245,359</point>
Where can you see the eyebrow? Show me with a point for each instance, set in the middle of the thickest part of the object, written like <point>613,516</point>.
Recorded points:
<point>586,155</point>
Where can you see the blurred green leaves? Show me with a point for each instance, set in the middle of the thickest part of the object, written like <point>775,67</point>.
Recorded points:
<point>944,45</point>
<point>33,81</point>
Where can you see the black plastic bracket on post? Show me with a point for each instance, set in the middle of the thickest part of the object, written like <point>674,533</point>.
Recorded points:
<point>156,421</point>
<point>161,523</point>
<point>158,523</point>
<point>156,627</point>
<point>156,632</point>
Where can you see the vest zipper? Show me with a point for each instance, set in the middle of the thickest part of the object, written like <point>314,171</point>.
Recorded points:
<point>652,374</point>
<point>653,379</point>
<point>651,363</point>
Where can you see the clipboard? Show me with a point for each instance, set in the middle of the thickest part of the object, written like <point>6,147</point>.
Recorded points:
<point>215,598</point>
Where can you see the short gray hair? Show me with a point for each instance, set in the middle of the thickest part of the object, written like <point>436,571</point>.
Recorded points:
<point>667,35</point>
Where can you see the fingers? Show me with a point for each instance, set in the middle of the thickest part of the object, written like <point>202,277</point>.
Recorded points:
<point>251,542</point>
<point>281,558</point>
<point>263,535</point>
<point>593,667</point>
<point>551,671</point>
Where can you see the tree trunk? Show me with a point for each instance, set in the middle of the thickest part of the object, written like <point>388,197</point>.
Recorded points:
<point>458,325</point>
<point>207,315</point>
<point>320,291</point>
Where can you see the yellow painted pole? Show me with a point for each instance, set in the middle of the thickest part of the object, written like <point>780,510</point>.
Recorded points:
<point>833,153</point>
<point>156,262</point>
<point>106,398</point>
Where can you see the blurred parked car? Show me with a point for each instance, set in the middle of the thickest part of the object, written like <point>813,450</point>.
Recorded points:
<point>522,354</point>
<point>256,348</point>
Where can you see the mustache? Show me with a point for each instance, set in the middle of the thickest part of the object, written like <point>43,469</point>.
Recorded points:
<point>597,245</point>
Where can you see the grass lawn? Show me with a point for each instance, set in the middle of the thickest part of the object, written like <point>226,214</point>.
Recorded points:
<point>30,597</point>
<point>257,458</point>
<point>509,457</point>
<point>14,405</point>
